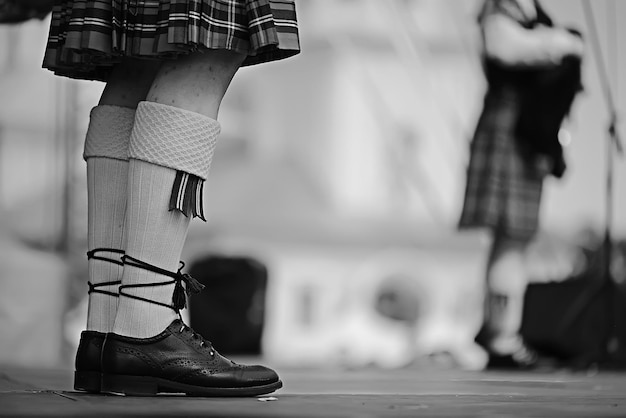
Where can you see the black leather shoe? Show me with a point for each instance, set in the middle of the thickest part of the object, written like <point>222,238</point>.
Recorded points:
<point>178,361</point>
<point>524,358</point>
<point>88,372</point>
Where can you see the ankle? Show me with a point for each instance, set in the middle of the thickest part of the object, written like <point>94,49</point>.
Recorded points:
<point>137,320</point>
<point>105,272</point>
<point>101,311</point>
<point>150,298</point>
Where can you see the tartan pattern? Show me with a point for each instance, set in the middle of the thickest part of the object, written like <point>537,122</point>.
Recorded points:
<point>503,190</point>
<point>87,37</point>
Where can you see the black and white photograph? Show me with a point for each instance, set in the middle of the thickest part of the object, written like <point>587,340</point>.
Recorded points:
<point>312,208</point>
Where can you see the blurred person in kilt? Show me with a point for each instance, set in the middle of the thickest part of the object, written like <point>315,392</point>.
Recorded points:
<point>167,65</point>
<point>528,63</point>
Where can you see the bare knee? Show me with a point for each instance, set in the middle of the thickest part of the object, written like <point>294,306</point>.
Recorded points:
<point>130,82</point>
<point>197,82</point>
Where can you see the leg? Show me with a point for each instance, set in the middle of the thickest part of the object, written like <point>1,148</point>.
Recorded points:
<point>196,83</point>
<point>179,117</point>
<point>106,154</point>
<point>506,286</point>
<point>150,349</point>
<point>129,83</point>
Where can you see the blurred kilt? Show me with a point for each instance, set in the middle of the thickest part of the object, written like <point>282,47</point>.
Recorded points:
<point>88,36</point>
<point>503,189</point>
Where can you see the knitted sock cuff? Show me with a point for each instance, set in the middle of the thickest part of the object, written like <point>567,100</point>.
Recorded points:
<point>174,138</point>
<point>109,132</point>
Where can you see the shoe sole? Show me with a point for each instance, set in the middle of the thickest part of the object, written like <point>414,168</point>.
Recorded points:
<point>150,386</point>
<point>88,381</point>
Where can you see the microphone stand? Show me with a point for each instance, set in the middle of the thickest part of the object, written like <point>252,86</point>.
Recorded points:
<point>611,342</point>
<point>606,283</point>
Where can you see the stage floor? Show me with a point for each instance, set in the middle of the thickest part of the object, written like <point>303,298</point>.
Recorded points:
<point>411,392</point>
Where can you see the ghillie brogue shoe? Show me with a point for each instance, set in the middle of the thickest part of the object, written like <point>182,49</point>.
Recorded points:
<point>88,372</point>
<point>178,360</point>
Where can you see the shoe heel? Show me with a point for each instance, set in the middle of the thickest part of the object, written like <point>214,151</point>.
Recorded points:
<point>129,385</point>
<point>87,381</point>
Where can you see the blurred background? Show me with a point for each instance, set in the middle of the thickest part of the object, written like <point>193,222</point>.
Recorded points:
<point>340,172</point>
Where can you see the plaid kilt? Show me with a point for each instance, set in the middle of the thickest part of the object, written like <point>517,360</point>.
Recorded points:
<point>503,189</point>
<point>87,37</point>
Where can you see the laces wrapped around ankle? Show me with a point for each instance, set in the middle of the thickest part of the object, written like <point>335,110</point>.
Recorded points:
<point>91,255</point>
<point>179,298</point>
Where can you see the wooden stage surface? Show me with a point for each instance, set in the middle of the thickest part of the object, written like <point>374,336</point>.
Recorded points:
<point>410,392</point>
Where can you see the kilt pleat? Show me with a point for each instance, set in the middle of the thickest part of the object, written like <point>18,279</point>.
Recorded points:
<point>87,37</point>
<point>503,189</point>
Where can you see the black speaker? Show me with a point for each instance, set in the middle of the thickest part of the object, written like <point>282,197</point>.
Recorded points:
<point>580,321</point>
<point>230,311</point>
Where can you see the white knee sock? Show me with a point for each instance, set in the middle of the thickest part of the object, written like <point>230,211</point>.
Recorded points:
<point>507,280</point>
<point>106,153</point>
<point>165,140</point>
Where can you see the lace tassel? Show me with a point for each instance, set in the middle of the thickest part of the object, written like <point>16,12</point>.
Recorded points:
<point>179,299</point>
<point>193,286</point>
<point>187,195</point>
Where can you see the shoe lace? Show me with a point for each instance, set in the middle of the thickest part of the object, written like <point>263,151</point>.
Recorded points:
<point>95,287</point>
<point>178,278</point>
<point>195,336</point>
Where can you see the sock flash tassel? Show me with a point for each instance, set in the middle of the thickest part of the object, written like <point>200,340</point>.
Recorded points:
<point>187,195</point>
